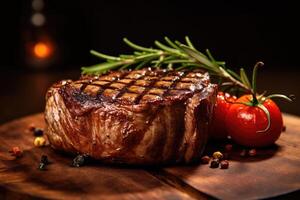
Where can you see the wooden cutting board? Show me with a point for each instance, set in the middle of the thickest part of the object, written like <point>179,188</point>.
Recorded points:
<point>274,171</point>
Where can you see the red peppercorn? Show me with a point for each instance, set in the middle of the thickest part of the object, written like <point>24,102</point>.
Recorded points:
<point>205,159</point>
<point>252,152</point>
<point>15,151</point>
<point>243,153</point>
<point>224,164</point>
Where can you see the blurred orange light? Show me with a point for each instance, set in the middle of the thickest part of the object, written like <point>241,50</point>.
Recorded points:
<point>42,50</point>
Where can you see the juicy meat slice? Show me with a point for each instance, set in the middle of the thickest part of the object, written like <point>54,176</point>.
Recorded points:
<point>132,117</point>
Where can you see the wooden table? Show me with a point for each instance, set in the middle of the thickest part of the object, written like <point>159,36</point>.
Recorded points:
<point>274,171</point>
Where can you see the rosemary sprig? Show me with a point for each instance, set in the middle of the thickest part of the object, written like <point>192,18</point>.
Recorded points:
<point>172,55</point>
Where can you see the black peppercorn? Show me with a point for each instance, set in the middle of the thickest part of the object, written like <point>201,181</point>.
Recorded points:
<point>214,163</point>
<point>38,132</point>
<point>78,161</point>
<point>44,159</point>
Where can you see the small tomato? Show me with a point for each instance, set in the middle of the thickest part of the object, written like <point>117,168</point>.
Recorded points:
<point>217,129</point>
<point>245,123</point>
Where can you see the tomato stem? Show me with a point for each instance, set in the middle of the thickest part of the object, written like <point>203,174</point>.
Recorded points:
<point>266,111</point>
<point>254,77</point>
<point>279,96</point>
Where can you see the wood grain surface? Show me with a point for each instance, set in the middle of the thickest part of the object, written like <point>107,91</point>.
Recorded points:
<point>274,171</point>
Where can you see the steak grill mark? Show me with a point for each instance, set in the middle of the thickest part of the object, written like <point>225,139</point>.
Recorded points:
<point>140,85</point>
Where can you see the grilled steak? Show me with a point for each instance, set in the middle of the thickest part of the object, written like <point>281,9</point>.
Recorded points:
<point>132,117</point>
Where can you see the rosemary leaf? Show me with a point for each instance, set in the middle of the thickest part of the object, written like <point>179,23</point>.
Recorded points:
<point>137,47</point>
<point>244,77</point>
<point>168,49</point>
<point>172,44</point>
<point>221,63</point>
<point>178,61</point>
<point>143,63</point>
<point>125,56</point>
<point>150,55</point>
<point>182,67</point>
<point>100,68</point>
<point>170,57</point>
<point>125,66</point>
<point>189,43</point>
<point>180,44</point>
<point>210,56</point>
<point>138,53</point>
<point>232,73</point>
<point>201,59</point>
<point>160,61</point>
<point>104,56</point>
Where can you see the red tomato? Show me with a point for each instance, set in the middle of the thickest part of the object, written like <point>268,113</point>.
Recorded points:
<point>244,122</point>
<point>217,129</point>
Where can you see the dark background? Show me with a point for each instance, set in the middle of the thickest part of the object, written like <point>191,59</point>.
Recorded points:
<point>239,32</point>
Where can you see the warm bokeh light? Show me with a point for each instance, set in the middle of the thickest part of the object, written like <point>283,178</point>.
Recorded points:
<point>38,19</point>
<point>42,50</point>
